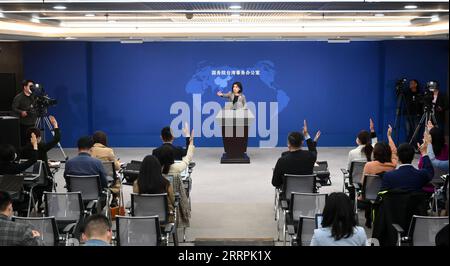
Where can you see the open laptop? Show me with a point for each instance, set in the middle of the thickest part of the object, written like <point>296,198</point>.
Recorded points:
<point>318,218</point>
<point>33,172</point>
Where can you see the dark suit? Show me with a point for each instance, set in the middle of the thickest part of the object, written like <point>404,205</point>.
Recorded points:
<point>440,107</point>
<point>178,152</point>
<point>298,162</point>
<point>409,178</point>
<point>84,164</point>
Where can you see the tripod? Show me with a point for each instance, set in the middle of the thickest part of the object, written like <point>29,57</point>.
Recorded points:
<point>428,115</point>
<point>40,124</point>
<point>400,103</point>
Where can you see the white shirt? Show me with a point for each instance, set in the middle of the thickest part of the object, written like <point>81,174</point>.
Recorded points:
<point>357,155</point>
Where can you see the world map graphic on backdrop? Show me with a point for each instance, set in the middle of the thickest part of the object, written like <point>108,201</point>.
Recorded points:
<point>217,78</point>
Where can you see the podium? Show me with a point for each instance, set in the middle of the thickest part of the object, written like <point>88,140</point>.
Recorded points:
<point>235,124</point>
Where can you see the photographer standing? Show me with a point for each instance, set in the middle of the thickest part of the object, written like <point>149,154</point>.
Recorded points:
<point>22,106</point>
<point>414,109</point>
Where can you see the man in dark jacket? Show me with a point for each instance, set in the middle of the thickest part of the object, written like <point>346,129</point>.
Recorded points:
<point>168,138</point>
<point>296,161</point>
<point>407,177</point>
<point>23,107</point>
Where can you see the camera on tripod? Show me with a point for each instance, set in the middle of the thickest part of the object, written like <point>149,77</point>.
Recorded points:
<point>428,95</point>
<point>400,86</point>
<point>41,100</point>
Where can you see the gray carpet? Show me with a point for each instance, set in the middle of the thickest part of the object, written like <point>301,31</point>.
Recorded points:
<point>231,200</point>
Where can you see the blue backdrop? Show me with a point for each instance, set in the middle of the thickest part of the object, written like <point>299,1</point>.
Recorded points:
<point>127,89</point>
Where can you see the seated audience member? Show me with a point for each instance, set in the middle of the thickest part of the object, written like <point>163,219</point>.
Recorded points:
<point>174,169</point>
<point>439,150</point>
<point>12,233</point>
<point>84,164</point>
<point>440,165</point>
<point>97,231</point>
<point>43,148</point>
<point>101,151</point>
<point>384,157</point>
<point>339,227</point>
<point>296,161</point>
<point>151,181</point>
<point>407,177</point>
<point>167,138</point>
<point>363,152</point>
<point>8,155</point>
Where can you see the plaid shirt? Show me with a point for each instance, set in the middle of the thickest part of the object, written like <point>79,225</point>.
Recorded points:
<point>16,234</point>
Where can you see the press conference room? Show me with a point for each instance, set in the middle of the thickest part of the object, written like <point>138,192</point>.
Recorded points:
<point>225,124</point>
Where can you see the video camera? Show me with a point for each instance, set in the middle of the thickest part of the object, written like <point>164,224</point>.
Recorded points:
<point>428,95</point>
<point>41,99</point>
<point>400,86</point>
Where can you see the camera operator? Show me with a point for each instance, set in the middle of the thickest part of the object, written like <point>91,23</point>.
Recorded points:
<point>440,103</point>
<point>22,106</point>
<point>414,108</point>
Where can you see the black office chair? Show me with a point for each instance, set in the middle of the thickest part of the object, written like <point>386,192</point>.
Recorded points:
<point>46,226</point>
<point>422,230</point>
<point>110,171</point>
<point>155,205</point>
<point>353,175</point>
<point>302,204</point>
<point>94,198</point>
<point>302,236</point>
<point>322,172</point>
<point>292,183</point>
<point>138,231</point>
<point>68,210</point>
<point>371,187</point>
<point>131,172</point>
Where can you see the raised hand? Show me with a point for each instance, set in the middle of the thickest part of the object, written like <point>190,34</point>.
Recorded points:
<point>317,136</point>
<point>427,138</point>
<point>219,93</point>
<point>53,121</point>
<point>23,114</point>
<point>389,131</point>
<point>33,141</point>
<point>423,148</point>
<point>186,130</point>
<point>429,125</point>
<point>372,127</point>
<point>305,128</point>
<point>191,139</point>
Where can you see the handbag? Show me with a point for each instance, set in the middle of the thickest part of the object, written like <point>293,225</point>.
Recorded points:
<point>120,209</point>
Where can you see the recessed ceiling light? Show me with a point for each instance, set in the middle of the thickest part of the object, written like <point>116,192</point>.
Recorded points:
<point>59,7</point>
<point>89,15</point>
<point>379,15</point>
<point>35,20</point>
<point>235,7</point>
<point>69,38</point>
<point>1,15</point>
<point>410,6</point>
<point>434,18</point>
<point>235,15</point>
<point>399,37</point>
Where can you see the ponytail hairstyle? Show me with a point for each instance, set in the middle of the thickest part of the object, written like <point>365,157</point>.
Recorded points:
<point>364,139</point>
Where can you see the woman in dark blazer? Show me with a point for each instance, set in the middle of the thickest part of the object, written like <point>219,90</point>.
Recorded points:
<point>235,96</point>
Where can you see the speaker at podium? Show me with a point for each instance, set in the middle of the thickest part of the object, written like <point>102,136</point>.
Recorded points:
<point>235,122</point>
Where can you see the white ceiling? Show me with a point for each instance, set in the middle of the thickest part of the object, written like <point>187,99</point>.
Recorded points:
<point>112,20</point>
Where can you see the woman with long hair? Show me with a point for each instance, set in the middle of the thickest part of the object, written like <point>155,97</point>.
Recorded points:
<point>364,140</point>
<point>339,226</point>
<point>151,181</point>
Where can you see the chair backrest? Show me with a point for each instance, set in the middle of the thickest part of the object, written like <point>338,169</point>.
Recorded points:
<point>356,171</point>
<point>88,185</point>
<point>371,186</point>
<point>306,204</point>
<point>423,229</point>
<point>299,183</point>
<point>305,231</point>
<point>46,226</point>
<point>138,231</point>
<point>108,166</point>
<point>65,207</point>
<point>150,205</point>
<point>11,183</point>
